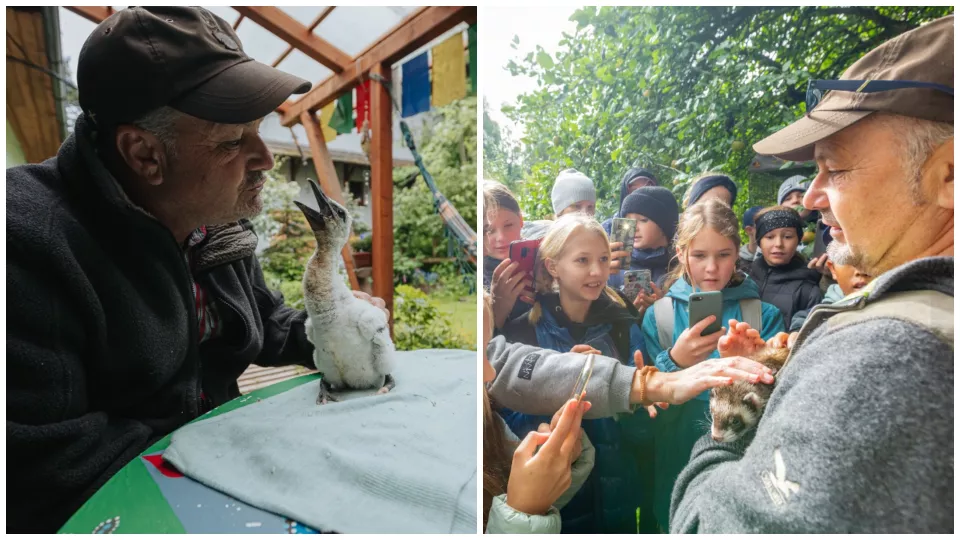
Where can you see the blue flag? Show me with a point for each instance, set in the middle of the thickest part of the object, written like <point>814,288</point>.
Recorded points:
<point>416,86</point>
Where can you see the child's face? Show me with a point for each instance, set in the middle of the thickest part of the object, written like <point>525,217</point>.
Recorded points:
<point>583,267</point>
<point>794,199</point>
<point>779,246</point>
<point>488,372</point>
<point>848,278</point>
<point>648,234</point>
<point>503,228</point>
<point>711,259</point>
<point>584,207</point>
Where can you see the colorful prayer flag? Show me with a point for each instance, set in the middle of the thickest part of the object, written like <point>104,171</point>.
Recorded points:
<point>326,114</point>
<point>472,41</point>
<point>449,73</point>
<point>416,86</point>
<point>363,103</point>
<point>342,119</point>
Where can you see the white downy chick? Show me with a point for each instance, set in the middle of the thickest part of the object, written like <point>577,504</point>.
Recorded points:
<point>351,337</point>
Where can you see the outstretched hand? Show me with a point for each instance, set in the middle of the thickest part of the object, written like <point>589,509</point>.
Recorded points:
<point>651,409</point>
<point>682,386</point>
<point>741,340</point>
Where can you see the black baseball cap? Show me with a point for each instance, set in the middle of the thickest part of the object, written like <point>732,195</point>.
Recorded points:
<point>143,58</point>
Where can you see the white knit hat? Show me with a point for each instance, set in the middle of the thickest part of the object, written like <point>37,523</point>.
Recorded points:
<point>571,187</point>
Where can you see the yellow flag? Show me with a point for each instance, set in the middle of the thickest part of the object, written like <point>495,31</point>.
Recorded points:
<point>449,71</point>
<point>326,114</point>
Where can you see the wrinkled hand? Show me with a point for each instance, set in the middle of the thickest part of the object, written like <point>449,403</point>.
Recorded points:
<point>506,287</point>
<point>682,386</point>
<point>373,301</point>
<point>537,480</point>
<point>819,264</point>
<point>741,340</point>
<point>644,300</point>
<point>691,347</point>
<point>617,253</point>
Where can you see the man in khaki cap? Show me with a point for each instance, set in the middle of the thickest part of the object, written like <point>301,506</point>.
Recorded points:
<point>858,433</point>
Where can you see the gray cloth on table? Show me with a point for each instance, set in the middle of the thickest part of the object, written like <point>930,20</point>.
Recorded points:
<point>403,462</point>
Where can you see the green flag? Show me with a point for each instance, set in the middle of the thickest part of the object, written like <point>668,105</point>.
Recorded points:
<point>342,119</point>
<point>472,40</point>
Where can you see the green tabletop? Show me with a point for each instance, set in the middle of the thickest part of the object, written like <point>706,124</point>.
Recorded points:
<point>132,502</point>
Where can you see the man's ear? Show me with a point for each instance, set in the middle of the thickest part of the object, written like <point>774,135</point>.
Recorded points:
<point>938,170</point>
<point>142,152</point>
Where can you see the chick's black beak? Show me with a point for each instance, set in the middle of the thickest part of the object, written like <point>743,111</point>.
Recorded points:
<point>314,218</point>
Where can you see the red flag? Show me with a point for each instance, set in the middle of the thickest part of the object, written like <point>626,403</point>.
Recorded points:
<point>363,103</point>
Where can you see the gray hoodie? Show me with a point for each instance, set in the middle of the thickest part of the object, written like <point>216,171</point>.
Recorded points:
<point>857,435</point>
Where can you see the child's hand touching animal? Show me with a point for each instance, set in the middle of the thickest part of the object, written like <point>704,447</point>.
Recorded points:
<point>741,340</point>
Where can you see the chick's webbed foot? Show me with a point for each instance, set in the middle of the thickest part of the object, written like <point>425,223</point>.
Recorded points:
<point>326,394</point>
<point>388,384</point>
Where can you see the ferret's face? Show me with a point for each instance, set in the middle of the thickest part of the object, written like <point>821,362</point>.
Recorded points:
<point>732,417</point>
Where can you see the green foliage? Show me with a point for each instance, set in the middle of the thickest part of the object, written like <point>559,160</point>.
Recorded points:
<point>449,149</point>
<point>418,324</point>
<point>682,90</point>
<point>502,156</point>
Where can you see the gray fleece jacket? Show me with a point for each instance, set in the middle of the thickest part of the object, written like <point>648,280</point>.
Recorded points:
<point>857,435</point>
<point>539,381</point>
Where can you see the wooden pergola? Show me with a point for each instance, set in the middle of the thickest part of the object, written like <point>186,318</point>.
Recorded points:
<point>413,32</point>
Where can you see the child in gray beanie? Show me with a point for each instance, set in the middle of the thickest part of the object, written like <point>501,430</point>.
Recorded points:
<point>572,192</point>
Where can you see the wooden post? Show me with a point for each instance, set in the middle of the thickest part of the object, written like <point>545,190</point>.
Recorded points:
<point>328,181</point>
<point>381,186</point>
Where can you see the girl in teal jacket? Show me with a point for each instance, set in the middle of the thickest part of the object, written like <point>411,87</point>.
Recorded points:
<point>707,247</point>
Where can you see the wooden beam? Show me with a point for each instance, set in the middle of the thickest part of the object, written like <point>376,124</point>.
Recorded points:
<point>96,14</point>
<point>237,24</point>
<point>327,175</point>
<point>381,188</point>
<point>316,22</point>
<point>420,28</point>
<point>297,35</point>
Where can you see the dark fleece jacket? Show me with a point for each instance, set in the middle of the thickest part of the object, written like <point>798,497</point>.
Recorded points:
<point>792,287</point>
<point>102,348</point>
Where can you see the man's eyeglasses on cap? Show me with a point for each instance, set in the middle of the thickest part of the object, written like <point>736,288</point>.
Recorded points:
<point>817,87</point>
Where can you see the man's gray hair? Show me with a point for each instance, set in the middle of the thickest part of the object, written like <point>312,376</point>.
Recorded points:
<point>920,139</point>
<point>162,123</point>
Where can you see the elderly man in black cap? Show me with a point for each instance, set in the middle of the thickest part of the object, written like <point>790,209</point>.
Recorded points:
<point>134,294</point>
<point>858,433</point>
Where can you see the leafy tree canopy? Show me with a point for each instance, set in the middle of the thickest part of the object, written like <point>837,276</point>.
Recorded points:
<point>682,90</point>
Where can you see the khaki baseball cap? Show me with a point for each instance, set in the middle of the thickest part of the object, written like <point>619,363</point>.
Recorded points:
<point>923,54</point>
<point>143,58</point>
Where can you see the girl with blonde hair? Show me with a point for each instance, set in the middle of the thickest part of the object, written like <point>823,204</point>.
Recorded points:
<point>707,246</point>
<point>574,310</point>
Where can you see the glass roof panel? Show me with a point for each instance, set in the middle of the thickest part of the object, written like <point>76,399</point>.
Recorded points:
<point>302,65</point>
<point>354,28</point>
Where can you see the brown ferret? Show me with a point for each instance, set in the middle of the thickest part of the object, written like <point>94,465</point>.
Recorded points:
<point>737,408</point>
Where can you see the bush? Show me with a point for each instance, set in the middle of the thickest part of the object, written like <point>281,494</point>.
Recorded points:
<point>418,324</point>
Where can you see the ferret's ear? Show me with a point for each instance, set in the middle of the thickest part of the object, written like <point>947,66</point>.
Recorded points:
<point>753,400</point>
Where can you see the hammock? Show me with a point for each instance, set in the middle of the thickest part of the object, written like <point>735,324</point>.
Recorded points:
<point>456,229</point>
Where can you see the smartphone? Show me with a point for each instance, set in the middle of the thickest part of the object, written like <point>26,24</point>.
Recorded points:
<point>623,230</point>
<point>635,280</point>
<point>581,385</point>
<point>704,304</point>
<point>524,253</point>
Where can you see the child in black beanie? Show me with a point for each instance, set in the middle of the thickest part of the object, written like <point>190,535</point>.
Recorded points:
<point>781,271</point>
<point>657,214</point>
